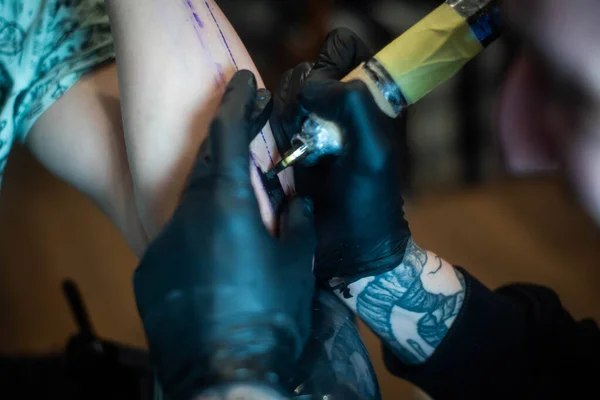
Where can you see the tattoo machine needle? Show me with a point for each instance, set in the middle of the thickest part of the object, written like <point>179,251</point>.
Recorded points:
<point>414,64</point>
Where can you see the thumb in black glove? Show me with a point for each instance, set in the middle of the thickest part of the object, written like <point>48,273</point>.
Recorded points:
<point>221,299</point>
<point>358,206</point>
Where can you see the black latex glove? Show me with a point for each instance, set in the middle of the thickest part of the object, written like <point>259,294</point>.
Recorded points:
<point>221,299</point>
<point>342,51</point>
<point>361,230</point>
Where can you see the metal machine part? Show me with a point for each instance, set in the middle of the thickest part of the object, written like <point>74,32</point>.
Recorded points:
<point>319,137</point>
<point>385,83</point>
<point>482,16</point>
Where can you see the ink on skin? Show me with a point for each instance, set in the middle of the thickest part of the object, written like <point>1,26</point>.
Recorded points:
<point>237,69</point>
<point>222,35</point>
<point>220,71</point>
<point>198,25</point>
<point>273,186</point>
<point>198,20</point>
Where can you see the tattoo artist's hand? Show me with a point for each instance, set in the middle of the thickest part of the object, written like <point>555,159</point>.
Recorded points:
<point>342,51</point>
<point>221,299</point>
<point>358,212</point>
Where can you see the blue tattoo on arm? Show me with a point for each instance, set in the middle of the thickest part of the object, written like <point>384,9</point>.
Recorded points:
<point>403,288</point>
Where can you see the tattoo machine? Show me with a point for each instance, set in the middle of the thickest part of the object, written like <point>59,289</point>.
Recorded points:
<point>414,64</point>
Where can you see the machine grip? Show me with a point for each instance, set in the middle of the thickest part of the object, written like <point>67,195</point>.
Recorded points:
<point>430,52</point>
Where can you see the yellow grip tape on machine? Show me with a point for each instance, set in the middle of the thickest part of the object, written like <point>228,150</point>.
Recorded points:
<point>422,58</point>
<point>430,52</point>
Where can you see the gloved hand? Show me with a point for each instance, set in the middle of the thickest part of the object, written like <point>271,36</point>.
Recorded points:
<point>361,230</point>
<point>341,52</point>
<point>221,299</point>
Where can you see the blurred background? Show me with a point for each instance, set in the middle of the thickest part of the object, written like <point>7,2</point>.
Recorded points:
<point>461,205</point>
<point>450,138</point>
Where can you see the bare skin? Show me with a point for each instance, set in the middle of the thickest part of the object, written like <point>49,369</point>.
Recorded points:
<point>174,60</point>
<point>80,139</point>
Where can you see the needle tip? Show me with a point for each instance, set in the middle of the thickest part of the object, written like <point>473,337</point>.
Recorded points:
<point>290,158</point>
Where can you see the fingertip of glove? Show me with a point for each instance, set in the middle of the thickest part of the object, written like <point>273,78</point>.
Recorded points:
<point>264,104</point>
<point>244,77</point>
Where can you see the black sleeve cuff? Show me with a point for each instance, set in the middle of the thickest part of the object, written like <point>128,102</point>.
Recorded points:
<point>489,352</point>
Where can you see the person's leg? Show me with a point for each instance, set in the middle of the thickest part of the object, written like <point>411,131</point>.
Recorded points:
<point>77,134</point>
<point>59,96</point>
<point>174,58</point>
<point>80,140</point>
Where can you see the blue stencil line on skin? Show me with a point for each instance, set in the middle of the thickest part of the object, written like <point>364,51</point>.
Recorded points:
<point>237,69</point>
<point>222,36</point>
<point>198,28</point>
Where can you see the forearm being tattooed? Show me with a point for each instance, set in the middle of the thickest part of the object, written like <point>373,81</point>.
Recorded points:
<point>411,307</point>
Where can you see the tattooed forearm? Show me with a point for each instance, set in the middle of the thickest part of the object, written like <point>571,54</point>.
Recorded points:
<point>411,307</point>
